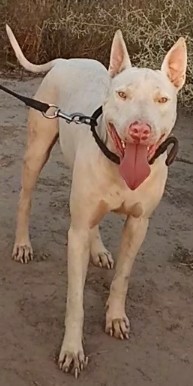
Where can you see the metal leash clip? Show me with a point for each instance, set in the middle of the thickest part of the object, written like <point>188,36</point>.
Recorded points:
<point>74,117</point>
<point>80,118</point>
<point>77,118</point>
<point>51,116</point>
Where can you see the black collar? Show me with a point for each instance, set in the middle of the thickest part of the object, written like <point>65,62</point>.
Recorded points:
<point>115,158</point>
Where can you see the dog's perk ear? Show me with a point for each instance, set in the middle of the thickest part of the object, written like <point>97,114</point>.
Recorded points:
<point>175,63</point>
<point>119,58</point>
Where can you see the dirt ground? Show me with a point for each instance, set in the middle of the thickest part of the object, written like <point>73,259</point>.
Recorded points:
<point>32,297</point>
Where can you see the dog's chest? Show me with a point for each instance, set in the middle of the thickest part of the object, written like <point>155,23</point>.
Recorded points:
<point>124,201</point>
<point>141,201</point>
<point>110,194</point>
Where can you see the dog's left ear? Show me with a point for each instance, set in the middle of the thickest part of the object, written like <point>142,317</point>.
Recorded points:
<point>119,58</point>
<point>175,63</point>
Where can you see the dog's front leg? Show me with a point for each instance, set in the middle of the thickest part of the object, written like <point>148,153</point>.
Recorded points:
<point>99,254</point>
<point>117,323</point>
<point>72,354</point>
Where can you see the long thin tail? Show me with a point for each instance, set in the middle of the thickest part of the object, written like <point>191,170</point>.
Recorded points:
<point>36,68</point>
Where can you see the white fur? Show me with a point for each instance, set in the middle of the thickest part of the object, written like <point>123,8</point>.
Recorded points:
<point>97,186</point>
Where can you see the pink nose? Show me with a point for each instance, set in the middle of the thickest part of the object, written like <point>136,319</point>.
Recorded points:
<point>139,131</point>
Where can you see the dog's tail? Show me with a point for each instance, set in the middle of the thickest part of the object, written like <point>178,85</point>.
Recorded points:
<point>36,68</point>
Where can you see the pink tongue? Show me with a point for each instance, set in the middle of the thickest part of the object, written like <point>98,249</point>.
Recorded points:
<point>134,167</point>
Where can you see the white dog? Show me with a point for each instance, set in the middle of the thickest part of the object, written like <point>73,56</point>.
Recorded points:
<point>139,112</point>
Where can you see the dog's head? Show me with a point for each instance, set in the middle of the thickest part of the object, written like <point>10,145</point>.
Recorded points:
<point>140,110</point>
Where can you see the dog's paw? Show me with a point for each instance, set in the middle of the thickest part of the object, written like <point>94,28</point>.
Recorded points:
<point>118,327</point>
<point>103,259</point>
<point>72,361</point>
<point>22,253</point>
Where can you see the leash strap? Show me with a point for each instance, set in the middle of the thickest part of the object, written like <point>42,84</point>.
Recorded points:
<point>33,103</point>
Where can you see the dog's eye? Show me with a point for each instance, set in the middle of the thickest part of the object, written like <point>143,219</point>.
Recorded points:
<point>122,94</point>
<point>162,100</point>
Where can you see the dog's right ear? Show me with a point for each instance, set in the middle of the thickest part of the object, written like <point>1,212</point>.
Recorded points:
<point>119,58</point>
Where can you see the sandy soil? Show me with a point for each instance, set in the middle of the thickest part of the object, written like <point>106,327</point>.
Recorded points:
<point>32,300</point>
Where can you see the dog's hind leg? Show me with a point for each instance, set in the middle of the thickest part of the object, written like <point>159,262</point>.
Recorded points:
<point>99,254</point>
<point>42,135</point>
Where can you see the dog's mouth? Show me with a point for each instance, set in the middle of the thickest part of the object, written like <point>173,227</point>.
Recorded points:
<point>134,158</point>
